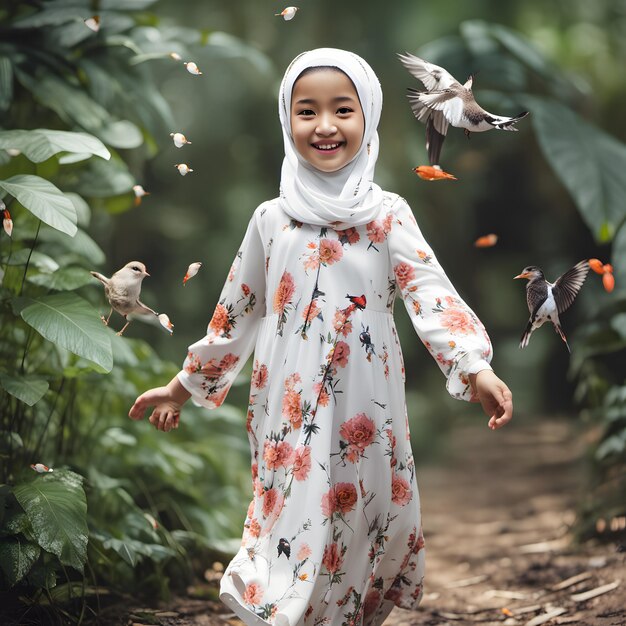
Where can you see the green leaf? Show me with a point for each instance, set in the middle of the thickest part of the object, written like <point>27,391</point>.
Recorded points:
<point>124,549</point>
<point>101,179</point>
<point>71,322</point>
<point>40,144</point>
<point>28,389</point>
<point>17,557</point>
<point>37,259</point>
<point>6,83</point>
<point>57,509</point>
<point>82,208</point>
<point>121,134</point>
<point>589,162</point>
<point>9,440</point>
<point>65,279</point>
<point>43,200</point>
<point>81,244</point>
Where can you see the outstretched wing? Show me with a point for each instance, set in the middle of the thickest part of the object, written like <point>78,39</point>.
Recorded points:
<point>434,77</point>
<point>447,102</point>
<point>567,286</point>
<point>143,309</point>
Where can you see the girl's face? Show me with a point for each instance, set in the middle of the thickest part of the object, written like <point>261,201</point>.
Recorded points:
<point>327,122</point>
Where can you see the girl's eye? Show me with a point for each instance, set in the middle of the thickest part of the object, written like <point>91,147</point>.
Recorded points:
<point>344,110</point>
<point>306,112</point>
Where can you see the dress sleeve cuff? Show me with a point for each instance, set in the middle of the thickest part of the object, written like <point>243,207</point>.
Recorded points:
<point>198,399</point>
<point>458,384</point>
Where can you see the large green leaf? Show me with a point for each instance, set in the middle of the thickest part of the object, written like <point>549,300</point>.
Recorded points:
<point>102,179</point>
<point>81,244</point>
<point>6,83</point>
<point>43,200</point>
<point>589,162</point>
<point>28,389</point>
<point>64,279</point>
<point>57,509</point>
<point>17,557</point>
<point>71,322</point>
<point>40,144</point>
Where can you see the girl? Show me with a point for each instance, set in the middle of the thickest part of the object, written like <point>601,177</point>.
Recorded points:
<point>333,533</point>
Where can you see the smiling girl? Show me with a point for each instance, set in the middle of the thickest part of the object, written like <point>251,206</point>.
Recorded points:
<point>333,533</point>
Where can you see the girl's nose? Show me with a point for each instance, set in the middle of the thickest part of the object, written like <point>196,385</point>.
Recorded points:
<point>325,127</point>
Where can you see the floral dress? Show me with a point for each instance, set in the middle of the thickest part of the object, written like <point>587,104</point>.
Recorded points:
<point>333,531</point>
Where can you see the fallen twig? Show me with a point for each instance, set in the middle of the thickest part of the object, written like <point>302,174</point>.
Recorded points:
<point>568,582</point>
<point>598,591</point>
<point>545,617</point>
<point>467,582</point>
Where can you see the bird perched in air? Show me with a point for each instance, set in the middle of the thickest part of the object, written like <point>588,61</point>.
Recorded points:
<point>192,270</point>
<point>446,102</point>
<point>122,291</point>
<point>287,14</point>
<point>179,139</point>
<point>183,169</point>
<point>547,300</point>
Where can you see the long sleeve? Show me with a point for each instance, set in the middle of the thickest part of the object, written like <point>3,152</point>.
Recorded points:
<point>449,329</point>
<point>213,362</point>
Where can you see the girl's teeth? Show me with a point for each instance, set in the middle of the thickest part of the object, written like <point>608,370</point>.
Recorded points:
<point>330,147</point>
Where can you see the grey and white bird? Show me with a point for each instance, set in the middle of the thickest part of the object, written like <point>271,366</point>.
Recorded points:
<point>122,291</point>
<point>448,103</point>
<point>546,301</point>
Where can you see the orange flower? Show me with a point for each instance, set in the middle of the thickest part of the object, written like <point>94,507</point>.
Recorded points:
<point>277,454</point>
<point>596,266</point>
<point>322,395</point>
<point>302,462</point>
<point>311,312</point>
<point>284,293</point>
<point>341,353</point>
<point>400,491</point>
<point>359,431</point>
<point>457,321</point>
<point>345,497</point>
<point>330,251</point>
<point>253,594</point>
<point>255,528</point>
<point>292,408</point>
<point>376,232</point>
<point>405,273</point>
<point>219,322</point>
<point>332,559</point>
<point>350,235</point>
<point>259,375</point>
<point>269,501</point>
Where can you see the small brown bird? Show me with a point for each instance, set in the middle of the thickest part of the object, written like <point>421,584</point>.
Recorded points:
<point>547,300</point>
<point>122,291</point>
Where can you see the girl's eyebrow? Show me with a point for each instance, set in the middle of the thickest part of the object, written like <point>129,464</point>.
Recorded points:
<point>337,99</point>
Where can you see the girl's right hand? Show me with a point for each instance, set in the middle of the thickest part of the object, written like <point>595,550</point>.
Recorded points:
<point>167,402</point>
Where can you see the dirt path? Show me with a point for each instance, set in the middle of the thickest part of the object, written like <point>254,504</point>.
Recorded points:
<point>496,520</point>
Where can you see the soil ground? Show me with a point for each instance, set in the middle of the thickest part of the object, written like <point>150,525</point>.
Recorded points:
<point>497,515</point>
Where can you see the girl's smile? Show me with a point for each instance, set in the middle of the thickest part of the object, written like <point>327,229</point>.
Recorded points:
<point>327,121</point>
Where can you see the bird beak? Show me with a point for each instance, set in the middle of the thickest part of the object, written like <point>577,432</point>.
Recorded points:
<point>523,275</point>
<point>147,274</point>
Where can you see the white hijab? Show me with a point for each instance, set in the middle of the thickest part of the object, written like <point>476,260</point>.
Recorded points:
<point>347,197</point>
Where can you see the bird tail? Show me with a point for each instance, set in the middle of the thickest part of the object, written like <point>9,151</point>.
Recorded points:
<point>508,123</point>
<point>100,277</point>
<point>559,330</point>
<point>526,336</point>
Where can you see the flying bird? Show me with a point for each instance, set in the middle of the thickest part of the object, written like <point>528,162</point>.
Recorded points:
<point>40,468</point>
<point>183,169</point>
<point>93,23</point>
<point>432,172</point>
<point>179,139</point>
<point>139,192</point>
<point>192,68</point>
<point>7,222</point>
<point>192,270</point>
<point>287,14</point>
<point>122,291</point>
<point>446,102</point>
<point>164,320</point>
<point>284,547</point>
<point>486,241</point>
<point>547,300</point>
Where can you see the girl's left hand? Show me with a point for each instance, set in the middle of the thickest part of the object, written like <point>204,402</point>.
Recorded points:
<point>494,396</point>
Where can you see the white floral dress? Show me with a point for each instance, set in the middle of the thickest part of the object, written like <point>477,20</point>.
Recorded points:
<point>333,532</point>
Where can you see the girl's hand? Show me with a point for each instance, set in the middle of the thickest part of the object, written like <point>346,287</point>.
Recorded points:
<point>167,402</point>
<point>495,397</point>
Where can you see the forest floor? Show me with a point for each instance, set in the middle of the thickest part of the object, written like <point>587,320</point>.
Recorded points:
<point>497,513</point>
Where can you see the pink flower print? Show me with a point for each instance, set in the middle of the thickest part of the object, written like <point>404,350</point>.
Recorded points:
<point>372,600</point>
<point>457,321</point>
<point>254,470</point>
<point>259,375</point>
<point>258,487</point>
<point>332,559</point>
<point>359,432</point>
<point>375,232</point>
<point>302,462</point>
<point>400,491</point>
<point>341,497</point>
<point>284,293</point>
<point>304,552</point>
<point>194,364</point>
<point>214,370</point>
<point>311,312</point>
<point>277,454</point>
<point>330,251</point>
<point>394,594</point>
<point>349,236</point>
<point>250,512</point>
<point>292,409</point>
<point>219,323</point>
<point>322,395</point>
<point>269,501</point>
<point>255,528</point>
<point>291,380</point>
<point>253,594</point>
<point>341,323</point>
<point>405,273</point>
<point>387,222</point>
<point>341,353</point>
<point>245,289</point>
